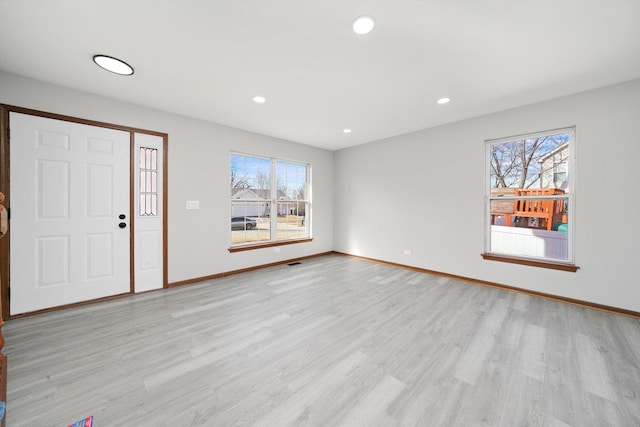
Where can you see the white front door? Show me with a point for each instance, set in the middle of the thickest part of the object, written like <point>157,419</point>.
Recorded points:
<point>70,187</point>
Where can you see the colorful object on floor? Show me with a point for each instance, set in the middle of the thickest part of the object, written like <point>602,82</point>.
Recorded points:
<point>87,422</point>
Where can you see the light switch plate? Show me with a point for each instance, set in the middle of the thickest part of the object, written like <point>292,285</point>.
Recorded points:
<point>193,204</point>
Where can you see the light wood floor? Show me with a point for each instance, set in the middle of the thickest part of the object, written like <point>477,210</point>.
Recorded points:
<point>332,341</point>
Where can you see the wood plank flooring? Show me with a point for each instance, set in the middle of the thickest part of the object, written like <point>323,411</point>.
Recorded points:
<point>334,341</point>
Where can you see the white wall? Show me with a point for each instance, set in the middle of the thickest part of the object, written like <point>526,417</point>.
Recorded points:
<point>425,192</point>
<point>198,170</point>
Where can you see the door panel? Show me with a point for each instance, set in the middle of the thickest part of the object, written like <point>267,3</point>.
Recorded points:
<point>52,190</point>
<point>149,184</point>
<point>69,184</point>
<point>52,259</point>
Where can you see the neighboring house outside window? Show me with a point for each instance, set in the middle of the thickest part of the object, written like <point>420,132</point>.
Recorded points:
<point>269,200</point>
<point>554,168</point>
<point>530,197</point>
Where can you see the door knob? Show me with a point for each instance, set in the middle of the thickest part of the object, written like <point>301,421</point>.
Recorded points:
<point>4,221</point>
<point>122,225</point>
<point>122,216</point>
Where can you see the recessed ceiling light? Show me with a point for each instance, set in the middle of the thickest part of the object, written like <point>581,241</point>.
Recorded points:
<point>363,25</point>
<point>113,64</point>
<point>443,100</point>
<point>259,99</point>
<point>346,130</point>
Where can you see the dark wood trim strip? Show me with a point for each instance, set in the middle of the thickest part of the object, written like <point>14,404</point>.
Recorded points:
<point>22,110</point>
<point>165,210</point>
<point>75,304</point>
<point>531,262</point>
<point>132,212</point>
<point>586,304</point>
<point>5,265</point>
<point>242,270</point>
<point>266,245</point>
<point>169,285</point>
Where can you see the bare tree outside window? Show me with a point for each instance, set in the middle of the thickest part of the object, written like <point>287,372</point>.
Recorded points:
<point>238,178</point>
<point>520,163</point>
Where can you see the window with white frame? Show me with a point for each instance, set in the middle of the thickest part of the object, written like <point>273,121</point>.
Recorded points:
<point>270,200</point>
<point>530,203</point>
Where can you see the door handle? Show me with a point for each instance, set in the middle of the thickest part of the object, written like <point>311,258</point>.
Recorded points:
<point>122,224</point>
<point>4,220</point>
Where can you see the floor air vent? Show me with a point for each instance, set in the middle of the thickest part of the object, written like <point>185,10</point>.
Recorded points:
<point>294,263</point>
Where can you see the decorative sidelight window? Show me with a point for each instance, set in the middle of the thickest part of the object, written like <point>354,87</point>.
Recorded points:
<point>148,191</point>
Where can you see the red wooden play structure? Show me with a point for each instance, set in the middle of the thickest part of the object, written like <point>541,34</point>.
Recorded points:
<point>546,211</point>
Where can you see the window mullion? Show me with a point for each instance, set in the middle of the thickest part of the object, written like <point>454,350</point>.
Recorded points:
<point>274,201</point>
<point>548,197</point>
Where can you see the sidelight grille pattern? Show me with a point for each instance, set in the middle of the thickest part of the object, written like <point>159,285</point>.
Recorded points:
<point>148,190</point>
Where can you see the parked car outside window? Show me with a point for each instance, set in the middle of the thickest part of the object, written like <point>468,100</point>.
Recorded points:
<point>243,223</point>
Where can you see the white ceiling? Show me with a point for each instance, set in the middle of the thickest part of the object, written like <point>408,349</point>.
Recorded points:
<point>207,59</point>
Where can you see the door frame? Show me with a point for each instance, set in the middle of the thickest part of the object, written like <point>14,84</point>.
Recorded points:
<point>5,187</point>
